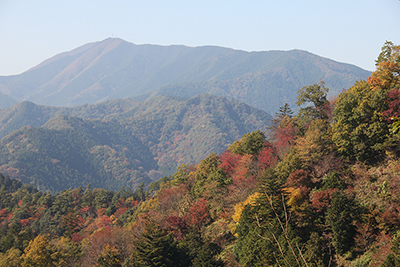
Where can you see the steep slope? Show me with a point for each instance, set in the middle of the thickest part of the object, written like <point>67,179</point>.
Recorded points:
<point>29,114</point>
<point>26,114</point>
<point>186,130</point>
<point>114,68</point>
<point>69,152</point>
<point>20,87</point>
<point>119,142</point>
<point>272,82</point>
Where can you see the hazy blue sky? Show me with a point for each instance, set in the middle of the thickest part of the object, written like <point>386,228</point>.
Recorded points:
<point>350,31</point>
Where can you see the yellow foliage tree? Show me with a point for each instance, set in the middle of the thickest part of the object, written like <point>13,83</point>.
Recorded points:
<point>11,258</point>
<point>310,147</point>
<point>295,198</point>
<point>251,200</point>
<point>38,253</point>
<point>387,74</point>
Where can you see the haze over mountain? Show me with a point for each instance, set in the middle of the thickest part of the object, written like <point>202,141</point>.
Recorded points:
<point>114,68</point>
<point>119,142</point>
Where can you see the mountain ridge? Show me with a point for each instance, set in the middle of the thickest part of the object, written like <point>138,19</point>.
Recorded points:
<point>120,142</point>
<point>114,68</point>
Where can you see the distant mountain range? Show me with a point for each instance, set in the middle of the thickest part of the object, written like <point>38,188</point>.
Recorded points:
<point>114,68</point>
<point>120,142</point>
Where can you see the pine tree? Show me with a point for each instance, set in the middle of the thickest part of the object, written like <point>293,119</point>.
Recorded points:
<point>284,111</point>
<point>340,217</point>
<point>157,248</point>
<point>206,256</point>
<point>265,236</point>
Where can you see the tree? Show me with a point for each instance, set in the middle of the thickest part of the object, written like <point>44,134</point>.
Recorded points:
<point>386,53</point>
<point>393,259</point>
<point>208,171</point>
<point>315,254</point>
<point>198,214</point>
<point>267,157</point>
<point>265,234</point>
<point>157,248</point>
<point>265,237</point>
<point>11,258</point>
<point>38,253</point>
<point>386,75</point>
<point>393,100</point>
<point>181,175</point>
<point>386,81</point>
<point>315,95</point>
<point>300,179</point>
<point>284,111</point>
<point>314,143</point>
<point>284,136</point>
<point>340,217</point>
<point>395,126</point>
<point>71,223</point>
<point>109,257</point>
<point>290,163</point>
<point>359,129</point>
<point>206,256</point>
<point>250,143</point>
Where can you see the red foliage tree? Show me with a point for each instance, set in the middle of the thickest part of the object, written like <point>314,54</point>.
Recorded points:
<point>177,225</point>
<point>198,214</point>
<point>390,218</point>
<point>241,170</point>
<point>169,198</point>
<point>3,214</point>
<point>267,157</point>
<point>134,203</point>
<point>120,211</point>
<point>284,136</point>
<point>24,222</point>
<point>77,237</point>
<point>393,105</point>
<point>115,237</point>
<point>320,200</point>
<point>229,161</point>
<point>72,223</point>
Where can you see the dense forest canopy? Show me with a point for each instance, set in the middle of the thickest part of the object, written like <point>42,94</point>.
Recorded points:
<point>118,142</point>
<point>321,190</point>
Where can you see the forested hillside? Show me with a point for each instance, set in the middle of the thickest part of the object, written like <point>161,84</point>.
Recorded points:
<point>118,142</point>
<point>69,152</point>
<point>114,68</point>
<point>323,190</point>
<point>29,114</point>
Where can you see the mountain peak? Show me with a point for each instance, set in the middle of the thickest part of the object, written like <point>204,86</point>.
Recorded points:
<point>114,68</point>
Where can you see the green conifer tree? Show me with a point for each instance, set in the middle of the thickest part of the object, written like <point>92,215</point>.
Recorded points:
<point>340,217</point>
<point>157,248</point>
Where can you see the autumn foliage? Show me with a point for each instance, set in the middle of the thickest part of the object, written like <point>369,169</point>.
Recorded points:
<point>319,189</point>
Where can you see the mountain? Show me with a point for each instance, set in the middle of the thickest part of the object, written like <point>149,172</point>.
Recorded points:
<point>119,142</point>
<point>180,130</point>
<point>115,68</point>
<point>6,101</point>
<point>69,152</point>
<point>27,113</point>
<point>323,192</point>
